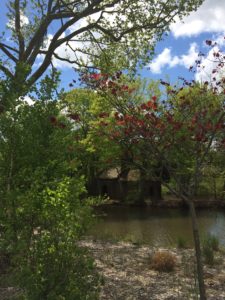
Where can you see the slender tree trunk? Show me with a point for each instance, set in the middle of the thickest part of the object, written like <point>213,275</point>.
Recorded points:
<point>198,252</point>
<point>214,188</point>
<point>141,187</point>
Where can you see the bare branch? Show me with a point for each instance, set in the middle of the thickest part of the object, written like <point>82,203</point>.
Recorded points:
<point>9,47</point>
<point>37,39</point>
<point>6,71</point>
<point>4,49</point>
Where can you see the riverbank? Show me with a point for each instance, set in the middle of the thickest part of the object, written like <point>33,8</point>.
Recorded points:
<point>200,202</point>
<point>171,202</point>
<point>127,273</point>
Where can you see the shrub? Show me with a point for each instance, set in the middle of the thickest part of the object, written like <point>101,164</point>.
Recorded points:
<point>163,261</point>
<point>43,211</point>
<point>208,254</point>
<point>214,242</point>
<point>48,264</point>
<point>210,244</point>
<point>181,243</point>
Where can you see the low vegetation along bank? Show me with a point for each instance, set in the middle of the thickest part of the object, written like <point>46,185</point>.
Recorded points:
<point>140,272</point>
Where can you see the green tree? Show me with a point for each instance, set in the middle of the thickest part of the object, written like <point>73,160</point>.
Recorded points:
<point>177,134</point>
<point>43,207</point>
<point>39,28</point>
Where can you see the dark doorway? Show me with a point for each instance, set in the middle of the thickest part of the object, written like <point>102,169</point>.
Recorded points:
<point>104,190</point>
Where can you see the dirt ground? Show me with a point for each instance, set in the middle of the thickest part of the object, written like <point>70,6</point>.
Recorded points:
<point>127,274</point>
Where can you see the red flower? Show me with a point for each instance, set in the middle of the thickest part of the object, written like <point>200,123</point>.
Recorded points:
<point>144,106</point>
<point>124,87</point>
<point>53,119</point>
<point>116,115</point>
<point>103,115</point>
<point>177,125</point>
<point>120,122</point>
<point>102,123</point>
<point>218,125</point>
<point>169,117</point>
<point>74,117</point>
<point>149,104</point>
<point>95,76</point>
<point>208,42</point>
<point>114,91</point>
<point>154,106</point>
<point>62,125</point>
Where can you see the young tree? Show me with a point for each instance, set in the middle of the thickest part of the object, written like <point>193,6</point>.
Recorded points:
<point>36,29</point>
<point>84,109</point>
<point>177,134</point>
<point>43,211</point>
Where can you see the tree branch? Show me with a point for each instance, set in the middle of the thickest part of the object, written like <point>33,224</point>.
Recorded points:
<point>9,47</point>
<point>4,49</point>
<point>18,29</point>
<point>6,71</point>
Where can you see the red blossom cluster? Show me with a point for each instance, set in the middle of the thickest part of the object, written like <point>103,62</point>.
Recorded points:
<point>153,122</point>
<point>54,121</point>
<point>167,121</point>
<point>111,84</point>
<point>74,116</point>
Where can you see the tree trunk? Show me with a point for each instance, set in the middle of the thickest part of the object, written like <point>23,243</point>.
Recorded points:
<point>157,192</point>
<point>141,190</point>
<point>198,252</point>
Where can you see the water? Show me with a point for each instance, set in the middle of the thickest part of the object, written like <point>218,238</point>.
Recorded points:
<point>154,226</point>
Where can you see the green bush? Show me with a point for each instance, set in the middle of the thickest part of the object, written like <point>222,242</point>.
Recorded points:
<point>43,211</point>
<point>181,243</point>
<point>210,244</point>
<point>214,242</point>
<point>52,266</point>
<point>208,254</point>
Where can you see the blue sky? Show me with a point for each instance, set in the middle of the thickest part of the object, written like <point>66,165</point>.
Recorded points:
<point>178,51</point>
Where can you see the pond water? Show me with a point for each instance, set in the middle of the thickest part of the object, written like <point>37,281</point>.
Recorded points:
<point>158,227</point>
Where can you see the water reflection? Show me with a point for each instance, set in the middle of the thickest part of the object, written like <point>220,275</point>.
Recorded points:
<point>159,227</point>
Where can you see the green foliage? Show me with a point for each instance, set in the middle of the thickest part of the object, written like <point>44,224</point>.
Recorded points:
<point>210,244</point>
<point>212,241</point>
<point>208,254</point>
<point>53,266</point>
<point>181,242</point>
<point>123,42</point>
<point>43,209</point>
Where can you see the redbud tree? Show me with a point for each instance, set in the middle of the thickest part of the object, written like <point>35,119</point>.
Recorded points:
<point>177,132</point>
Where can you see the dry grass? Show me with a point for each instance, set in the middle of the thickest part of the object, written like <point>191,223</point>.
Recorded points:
<point>163,261</point>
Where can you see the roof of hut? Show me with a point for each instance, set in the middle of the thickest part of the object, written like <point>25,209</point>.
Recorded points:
<point>115,173</point>
<point>112,173</point>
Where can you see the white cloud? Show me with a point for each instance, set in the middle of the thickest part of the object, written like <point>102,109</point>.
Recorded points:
<point>64,51</point>
<point>74,50</point>
<point>165,59</point>
<point>210,63</point>
<point>188,60</point>
<point>161,61</point>
<point>23,21</point>
<point>208,18</point>
<point>28,100</point>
